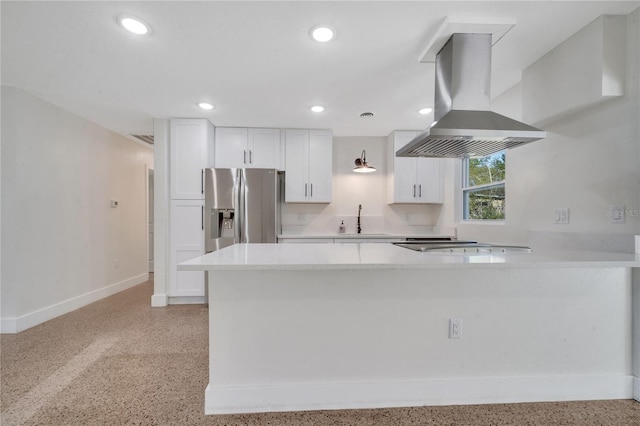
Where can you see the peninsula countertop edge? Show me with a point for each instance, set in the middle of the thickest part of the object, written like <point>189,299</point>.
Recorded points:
<point>376,256</point>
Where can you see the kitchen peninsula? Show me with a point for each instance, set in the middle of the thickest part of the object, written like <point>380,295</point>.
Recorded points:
<point>324,326</point>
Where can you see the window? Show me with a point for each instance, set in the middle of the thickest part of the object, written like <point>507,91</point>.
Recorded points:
<point>483,187</point>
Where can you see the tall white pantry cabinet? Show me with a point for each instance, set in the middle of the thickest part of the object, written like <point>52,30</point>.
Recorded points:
<point>190,152</point>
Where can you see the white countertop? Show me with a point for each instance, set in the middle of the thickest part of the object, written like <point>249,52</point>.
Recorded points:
<point>387,256</point>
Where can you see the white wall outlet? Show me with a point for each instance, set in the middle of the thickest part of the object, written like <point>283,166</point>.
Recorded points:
<point>616,215</point>
<point>561,216</point>
<point>455,328</point>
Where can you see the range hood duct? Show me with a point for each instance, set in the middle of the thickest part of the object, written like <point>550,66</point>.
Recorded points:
<point>464,126</point>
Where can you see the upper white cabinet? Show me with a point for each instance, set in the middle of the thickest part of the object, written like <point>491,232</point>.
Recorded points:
<point>308,165</point>
<point>413,180</point>
<point>239,147</point>
<point>190,145</point>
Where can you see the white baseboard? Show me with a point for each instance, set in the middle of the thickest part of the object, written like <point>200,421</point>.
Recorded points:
<point>21,323</point>
<point>636,388</point>
<point>159,300</point>
<point>486,390</point>
<point>187,300</point>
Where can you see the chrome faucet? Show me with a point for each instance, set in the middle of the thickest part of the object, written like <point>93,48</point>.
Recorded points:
<point>359,210</point>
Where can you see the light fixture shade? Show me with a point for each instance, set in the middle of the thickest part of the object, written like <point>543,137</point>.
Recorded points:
<point>361,164</point>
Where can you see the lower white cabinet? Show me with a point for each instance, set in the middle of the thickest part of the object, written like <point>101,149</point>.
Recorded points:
<point>186,242</point>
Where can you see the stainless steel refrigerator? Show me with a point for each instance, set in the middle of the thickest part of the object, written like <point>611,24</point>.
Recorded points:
<point>242,206</point>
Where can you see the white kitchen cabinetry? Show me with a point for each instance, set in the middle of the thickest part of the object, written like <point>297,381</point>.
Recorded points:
<point>239,147</point>
<point>308,166</point>
<point>413,180</point>
<point>190,145</point>
<point>191,149</point>
<point>187,242</point>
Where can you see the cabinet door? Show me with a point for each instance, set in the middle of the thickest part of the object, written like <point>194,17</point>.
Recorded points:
<point>405,188</point>
<point>188,153</point>
<point>263,148</point>
<point>320,165</point>
<point>429,180</point>
<point>296,162</point>
<point>231,148</point>
<point>187,242</point>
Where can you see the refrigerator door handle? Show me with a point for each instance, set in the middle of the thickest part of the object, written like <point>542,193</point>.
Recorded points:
<point>241,212</point>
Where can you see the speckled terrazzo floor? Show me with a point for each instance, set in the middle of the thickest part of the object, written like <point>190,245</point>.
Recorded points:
<point>118,361</point>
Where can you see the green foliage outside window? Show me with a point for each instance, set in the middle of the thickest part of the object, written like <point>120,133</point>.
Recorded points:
<point>487,202</point>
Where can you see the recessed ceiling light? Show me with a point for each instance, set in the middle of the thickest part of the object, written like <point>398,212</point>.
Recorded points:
<point>425,111</point>
<point>205,105</point>
<point>134,25</point>
<point>321,33</point>
<point>317,108</point>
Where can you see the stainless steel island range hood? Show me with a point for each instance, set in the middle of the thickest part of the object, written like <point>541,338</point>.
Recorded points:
<point>463,125</point>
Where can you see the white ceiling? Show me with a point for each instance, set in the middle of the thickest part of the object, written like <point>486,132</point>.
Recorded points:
<point>256,62</point>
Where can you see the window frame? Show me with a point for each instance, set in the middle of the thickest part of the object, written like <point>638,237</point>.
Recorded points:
<point>464,190</point>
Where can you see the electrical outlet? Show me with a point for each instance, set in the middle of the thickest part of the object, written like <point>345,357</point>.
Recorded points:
<point>561,216</point>
<point>301,217</point>
<point>116,263</point>
<point>616,215</point>
<point>455,328</point>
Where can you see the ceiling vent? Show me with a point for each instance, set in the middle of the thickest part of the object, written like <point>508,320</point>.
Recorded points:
<point>144,138</point>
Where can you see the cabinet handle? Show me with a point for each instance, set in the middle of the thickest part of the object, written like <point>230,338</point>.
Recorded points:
<point>414,191</point>
<point>244,156</point>
<point>311,191</point>
<point>420,190</point>
<point>202,218</point>
<point>202,181</point>
<point>250,160</point>
<point>305,189</point>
